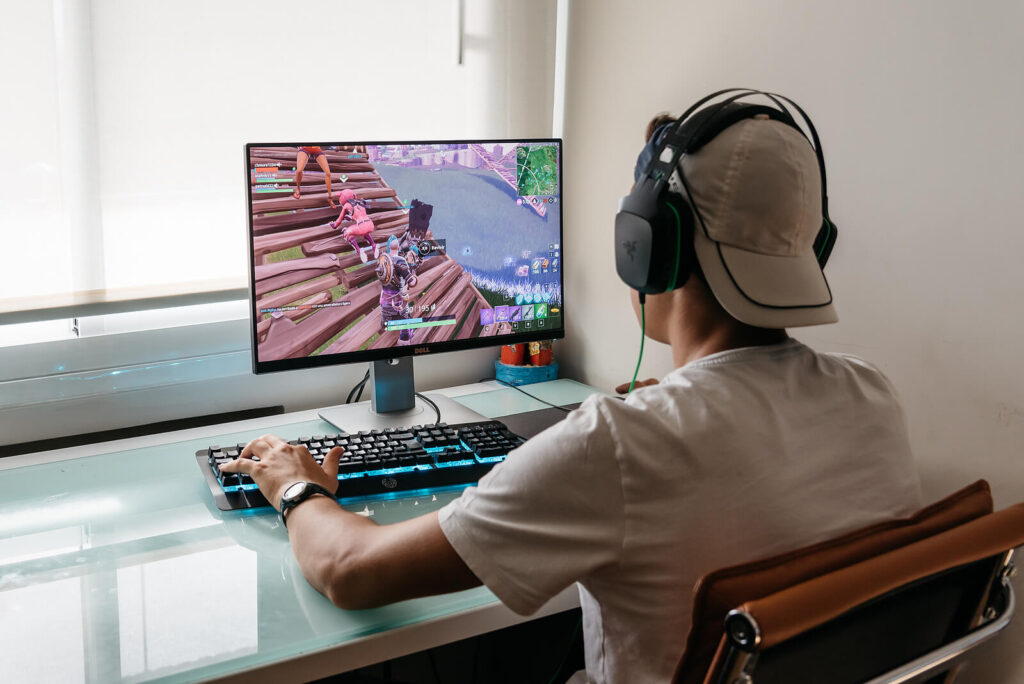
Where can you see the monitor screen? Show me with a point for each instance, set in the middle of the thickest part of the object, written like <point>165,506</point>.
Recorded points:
<point>363,251</point>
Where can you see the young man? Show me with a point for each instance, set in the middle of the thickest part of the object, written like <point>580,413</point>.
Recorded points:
<point>753,445</point>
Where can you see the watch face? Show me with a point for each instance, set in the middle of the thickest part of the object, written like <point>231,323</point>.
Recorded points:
<point>294,490</point>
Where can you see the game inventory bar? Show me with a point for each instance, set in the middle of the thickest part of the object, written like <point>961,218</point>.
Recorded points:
<point>412,323</point>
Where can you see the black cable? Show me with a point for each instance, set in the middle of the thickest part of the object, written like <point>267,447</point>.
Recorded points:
<point>568,651</point>
<point>432,405</point>
<point>433,666</point>
<point>476,660</point>
<point>508,384</point>
<point>358,386</point>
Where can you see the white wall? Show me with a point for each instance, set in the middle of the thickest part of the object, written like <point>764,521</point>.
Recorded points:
<point>919,106</point>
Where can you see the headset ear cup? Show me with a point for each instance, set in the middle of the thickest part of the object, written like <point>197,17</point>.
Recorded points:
<point>825,241</point>
<point>634,237</point>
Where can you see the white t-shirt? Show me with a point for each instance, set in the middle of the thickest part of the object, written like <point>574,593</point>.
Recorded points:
<point>740,455</point>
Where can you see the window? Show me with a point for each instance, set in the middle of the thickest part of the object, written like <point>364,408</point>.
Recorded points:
<point>124,179</point>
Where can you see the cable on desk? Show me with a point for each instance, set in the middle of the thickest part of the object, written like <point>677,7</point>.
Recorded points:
<point>437,411</point>
<point>508,384</point>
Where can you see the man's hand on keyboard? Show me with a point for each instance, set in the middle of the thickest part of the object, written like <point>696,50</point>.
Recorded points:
<point>624,387</point>
<point>274,464</point>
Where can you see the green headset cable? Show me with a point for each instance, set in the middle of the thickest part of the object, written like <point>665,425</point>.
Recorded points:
<point>643,334</point>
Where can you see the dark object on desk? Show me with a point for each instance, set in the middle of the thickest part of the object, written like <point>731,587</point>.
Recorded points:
<point>378,463</point>
<point>534,422</point>
<point>899,601</point>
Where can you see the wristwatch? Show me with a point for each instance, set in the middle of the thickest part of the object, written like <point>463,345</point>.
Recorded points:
<point>298,492</point>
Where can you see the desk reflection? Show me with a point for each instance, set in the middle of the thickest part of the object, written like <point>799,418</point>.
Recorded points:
<point>168,592</point>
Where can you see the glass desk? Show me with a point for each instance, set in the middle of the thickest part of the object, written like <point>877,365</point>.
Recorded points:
<point>116,566</point>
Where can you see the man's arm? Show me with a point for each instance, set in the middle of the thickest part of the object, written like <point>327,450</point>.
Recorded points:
<point>350,559</point>
<point>357,563</point>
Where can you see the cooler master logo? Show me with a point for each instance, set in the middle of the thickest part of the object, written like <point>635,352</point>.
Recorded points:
<point>389,482</point>
<point>421,350</point>
<point>630,246</point>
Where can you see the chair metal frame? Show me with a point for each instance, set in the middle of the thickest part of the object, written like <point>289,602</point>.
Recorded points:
<point>994,615</point>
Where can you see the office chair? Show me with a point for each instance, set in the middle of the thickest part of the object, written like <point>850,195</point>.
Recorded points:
<point>900,601</point>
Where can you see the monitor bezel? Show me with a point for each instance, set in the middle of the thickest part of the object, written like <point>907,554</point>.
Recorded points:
<point>367,355</point>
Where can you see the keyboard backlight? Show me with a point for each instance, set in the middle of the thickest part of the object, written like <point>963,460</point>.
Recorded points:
<point>452,464</point>
<point>391,471</point>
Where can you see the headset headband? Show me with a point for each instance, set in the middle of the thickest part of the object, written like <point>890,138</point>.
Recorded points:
<point>660,168</point>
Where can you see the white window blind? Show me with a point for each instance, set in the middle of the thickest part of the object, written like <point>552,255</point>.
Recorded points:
<point>123,184</point>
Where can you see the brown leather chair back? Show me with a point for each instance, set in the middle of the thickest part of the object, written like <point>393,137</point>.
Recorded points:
<point>905,615</point>
<point>720,591</point>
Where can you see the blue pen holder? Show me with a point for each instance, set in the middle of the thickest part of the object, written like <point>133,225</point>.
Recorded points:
<point>525,375</point>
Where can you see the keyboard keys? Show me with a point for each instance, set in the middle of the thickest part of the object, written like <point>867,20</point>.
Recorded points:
<point>453,459</point>
<point>351,466</point>
<point>449,455</point>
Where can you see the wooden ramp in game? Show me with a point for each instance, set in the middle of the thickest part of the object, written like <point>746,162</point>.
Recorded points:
<point>307,288</point>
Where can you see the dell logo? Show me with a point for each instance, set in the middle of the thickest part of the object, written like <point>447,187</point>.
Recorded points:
<point>421,350</point>
<point>389,482</point>
<point>630,246</point>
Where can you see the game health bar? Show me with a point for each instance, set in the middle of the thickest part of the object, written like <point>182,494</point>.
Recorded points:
<point>299,307</point>
<point>411,323</point>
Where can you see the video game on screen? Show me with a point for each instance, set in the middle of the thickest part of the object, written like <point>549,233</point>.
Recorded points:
<point>376,246</point>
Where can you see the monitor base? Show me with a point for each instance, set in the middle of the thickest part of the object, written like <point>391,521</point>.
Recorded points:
<point>355,417</point>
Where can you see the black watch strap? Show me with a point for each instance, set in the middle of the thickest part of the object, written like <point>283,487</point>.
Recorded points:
<point>310,489</point>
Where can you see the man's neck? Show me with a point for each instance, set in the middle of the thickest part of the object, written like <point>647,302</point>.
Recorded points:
<point>723,340</point>
<point>702,329</point>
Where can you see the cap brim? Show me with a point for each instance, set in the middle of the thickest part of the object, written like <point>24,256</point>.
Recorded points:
<point>763,290</point>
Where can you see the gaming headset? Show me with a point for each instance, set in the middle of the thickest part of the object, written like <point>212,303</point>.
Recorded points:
<point>654,250</point>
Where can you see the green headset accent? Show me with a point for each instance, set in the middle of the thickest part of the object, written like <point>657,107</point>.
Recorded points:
<point>679,241</point>
<point>824,238</point>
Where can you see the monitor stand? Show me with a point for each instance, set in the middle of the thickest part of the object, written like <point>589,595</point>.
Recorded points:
<point>394,403</point>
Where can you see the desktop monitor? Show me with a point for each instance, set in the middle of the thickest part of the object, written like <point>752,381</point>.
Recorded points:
<point>378,251</point>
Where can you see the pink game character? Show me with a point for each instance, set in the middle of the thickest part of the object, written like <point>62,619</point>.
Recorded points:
<point>361,225</point>
<point>346,198</point>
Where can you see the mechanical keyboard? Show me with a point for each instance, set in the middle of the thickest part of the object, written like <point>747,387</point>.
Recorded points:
<point>378,463</point>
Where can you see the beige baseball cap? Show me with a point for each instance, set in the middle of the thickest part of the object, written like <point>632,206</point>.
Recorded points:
<point>756,188</point>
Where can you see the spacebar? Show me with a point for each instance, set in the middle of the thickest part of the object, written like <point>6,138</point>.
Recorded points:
<point>420,479</point>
